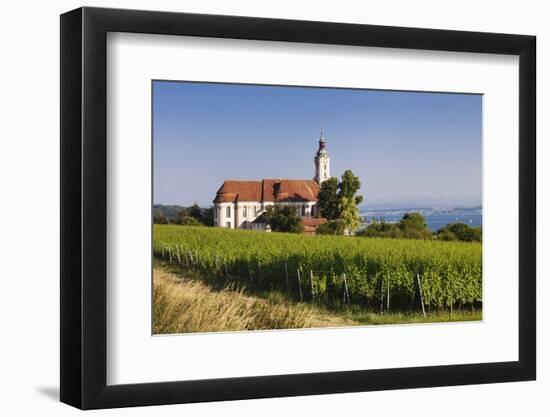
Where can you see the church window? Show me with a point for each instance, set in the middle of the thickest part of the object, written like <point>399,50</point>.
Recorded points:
<point>228,211</point>
<point>245,211</point>
<point>228,225</point>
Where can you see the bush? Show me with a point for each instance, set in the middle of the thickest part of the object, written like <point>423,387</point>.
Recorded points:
<point>284,219</point>
<point>445,235</point>
<point>189,221</point>
<point>411,226</point>
<point>160,218</point>
<point>461,232</point>
<point>333,227</point>
<point>380,228</point>
<point>413,221</point>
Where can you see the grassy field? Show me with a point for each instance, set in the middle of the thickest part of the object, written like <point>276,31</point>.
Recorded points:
<point>184,303</point>
<point>383,275</point>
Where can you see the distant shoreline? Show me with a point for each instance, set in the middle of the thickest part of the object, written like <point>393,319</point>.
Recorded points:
<point>435,218</point>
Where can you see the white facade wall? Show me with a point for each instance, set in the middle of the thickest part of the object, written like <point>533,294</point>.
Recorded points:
<point>309,209</point>
<point>234,215</point>
<point>246,211</point>
<point>305,209</point>
<point>267,204</point>
<point>225,215</point>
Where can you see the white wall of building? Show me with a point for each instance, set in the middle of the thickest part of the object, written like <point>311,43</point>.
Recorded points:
<point>237,215</point>
<point>225,215</point>
<point>325,168</point>
<point>247,211</point>
<point>322,168</point>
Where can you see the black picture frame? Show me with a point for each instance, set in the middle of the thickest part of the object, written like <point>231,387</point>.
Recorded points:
<point>84,207</point>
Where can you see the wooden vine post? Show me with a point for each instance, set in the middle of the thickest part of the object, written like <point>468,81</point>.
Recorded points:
<point>311,281</point>
<point>346,292</point>
<point>382,296</point>
<point>300,285</point>
<point>420,292</point>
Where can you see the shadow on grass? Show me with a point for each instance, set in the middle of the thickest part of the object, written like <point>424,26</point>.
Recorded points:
<point>355,313</point>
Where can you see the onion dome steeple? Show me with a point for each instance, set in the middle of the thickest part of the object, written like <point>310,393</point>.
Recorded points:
<point>322,160</point>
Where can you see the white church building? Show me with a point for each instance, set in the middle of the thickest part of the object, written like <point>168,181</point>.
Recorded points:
<point>240,204</point>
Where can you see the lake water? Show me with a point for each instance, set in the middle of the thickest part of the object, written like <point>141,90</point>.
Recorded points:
<point>437,221</point>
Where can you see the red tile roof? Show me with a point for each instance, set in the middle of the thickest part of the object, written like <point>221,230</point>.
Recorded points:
<point>310,224</point>
<point>233,190</point>
<point>271,190</point>
<point>313,221</point>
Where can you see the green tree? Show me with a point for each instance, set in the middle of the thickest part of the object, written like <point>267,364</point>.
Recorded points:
<point>413,221</point>
<point>183,214</point>
<point>380,228</point>
<point>339,200</point>
<point>349,213</point>
<point>195,211</point>
<point>208,216</point>
<point>160,218</point>
<point>349,186</point>
<point>445,234</point>
<point>283,219</point>
<point>185,218</point>
<point>413,226</point>
<point>460,231</point>
<point>328,199</point>
<point>195,216</point>
<point>190,221</point>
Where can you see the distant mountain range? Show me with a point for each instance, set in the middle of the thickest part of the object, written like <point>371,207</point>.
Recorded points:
<point>475,208</point>
<point>171,212</point>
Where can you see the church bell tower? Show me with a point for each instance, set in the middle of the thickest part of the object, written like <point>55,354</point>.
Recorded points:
<point>322,161</point>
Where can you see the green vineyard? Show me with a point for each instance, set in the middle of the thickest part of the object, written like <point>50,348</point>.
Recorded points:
<point>381,274</point>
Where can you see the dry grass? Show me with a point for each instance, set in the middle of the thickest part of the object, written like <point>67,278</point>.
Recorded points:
<point>372,318</point>
<point>188,306</point>
<point>183,303</point>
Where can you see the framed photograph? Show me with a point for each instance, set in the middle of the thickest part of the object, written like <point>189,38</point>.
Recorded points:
<point>256,208</point>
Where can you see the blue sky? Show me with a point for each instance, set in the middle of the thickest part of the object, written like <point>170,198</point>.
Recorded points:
<point>408,148</point>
